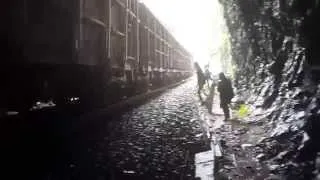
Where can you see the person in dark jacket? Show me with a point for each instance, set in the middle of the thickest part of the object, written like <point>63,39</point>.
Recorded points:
<point>226,94</point>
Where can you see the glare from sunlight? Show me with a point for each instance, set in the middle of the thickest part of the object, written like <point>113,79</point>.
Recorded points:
<point>198,25</point>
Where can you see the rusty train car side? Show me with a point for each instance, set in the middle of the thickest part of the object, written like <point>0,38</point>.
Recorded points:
<point>98,50</point>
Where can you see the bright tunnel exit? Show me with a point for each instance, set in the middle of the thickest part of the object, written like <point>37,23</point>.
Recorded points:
<point>200,27</point>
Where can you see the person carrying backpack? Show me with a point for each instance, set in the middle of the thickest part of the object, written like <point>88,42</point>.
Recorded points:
<point>226,94</point>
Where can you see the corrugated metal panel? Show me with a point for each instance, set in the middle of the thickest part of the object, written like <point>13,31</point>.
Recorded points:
<point>94,30</point>
<point>118,35</point>
<point>93,49</point>
<point>56,30</point>
<point>49,31</point>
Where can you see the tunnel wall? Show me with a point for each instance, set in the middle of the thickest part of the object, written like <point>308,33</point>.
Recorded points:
<point>275,49</point>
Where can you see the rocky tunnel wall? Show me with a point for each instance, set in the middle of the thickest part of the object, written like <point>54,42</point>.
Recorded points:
<point>274,47</point>
<point>276,50</point>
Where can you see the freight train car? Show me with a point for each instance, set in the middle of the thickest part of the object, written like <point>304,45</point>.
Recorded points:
<point>98,51</point>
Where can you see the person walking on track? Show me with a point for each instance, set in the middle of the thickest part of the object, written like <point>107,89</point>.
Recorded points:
<point>226,94</point>
<point>201,79</point>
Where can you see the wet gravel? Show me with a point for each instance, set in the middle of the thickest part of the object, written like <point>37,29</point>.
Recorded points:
<point>157,140</point>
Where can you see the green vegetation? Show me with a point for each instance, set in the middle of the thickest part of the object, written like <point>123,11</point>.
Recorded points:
<point>243,111</point>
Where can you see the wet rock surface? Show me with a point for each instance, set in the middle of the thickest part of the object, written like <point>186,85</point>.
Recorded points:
<point>274,46</point>
<point>157,140</point>
<point>241,152</point>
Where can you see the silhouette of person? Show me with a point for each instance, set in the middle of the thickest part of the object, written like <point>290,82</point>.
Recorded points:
<point>210,97</point>
<point>207,75</point>
<point>201,79</point>
<point>226,94</point>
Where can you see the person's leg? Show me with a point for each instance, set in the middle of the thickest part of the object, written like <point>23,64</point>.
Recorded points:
<point>200,86</point>
<point>226,112</point>
<point>199,94</point>
<point>210,107</point>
